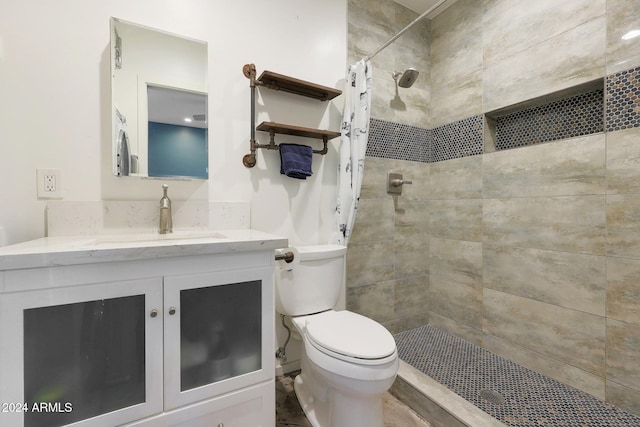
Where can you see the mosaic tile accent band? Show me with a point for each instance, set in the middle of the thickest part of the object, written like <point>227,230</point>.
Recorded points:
<point>616,108</point>
<point>515,395</point>
<point>575,116</point>
<point>391,140</point>
<point>623,100</point>
<point>458,139</point>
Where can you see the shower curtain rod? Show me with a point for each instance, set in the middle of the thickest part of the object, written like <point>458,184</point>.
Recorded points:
<point>404,30</point>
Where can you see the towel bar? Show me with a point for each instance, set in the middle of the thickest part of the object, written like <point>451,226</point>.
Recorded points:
<point>299,87</point>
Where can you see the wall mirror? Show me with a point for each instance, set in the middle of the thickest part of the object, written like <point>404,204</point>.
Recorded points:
<point>159,103</point>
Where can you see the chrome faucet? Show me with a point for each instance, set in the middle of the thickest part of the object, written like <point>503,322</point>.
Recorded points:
<point>166,223</point>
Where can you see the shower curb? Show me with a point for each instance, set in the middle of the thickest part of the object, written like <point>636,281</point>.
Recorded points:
<point>440,406</point>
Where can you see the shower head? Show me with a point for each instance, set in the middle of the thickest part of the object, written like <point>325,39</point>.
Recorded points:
<point>407,78</point>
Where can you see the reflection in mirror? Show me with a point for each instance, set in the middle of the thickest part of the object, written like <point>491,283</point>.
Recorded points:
<point>177,133</point>
<point>159,103</point>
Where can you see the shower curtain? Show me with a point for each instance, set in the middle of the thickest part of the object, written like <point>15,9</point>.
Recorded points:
<point>353,146</point>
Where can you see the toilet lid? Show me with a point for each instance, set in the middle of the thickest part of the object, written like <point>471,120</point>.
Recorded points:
<point>352,335</point>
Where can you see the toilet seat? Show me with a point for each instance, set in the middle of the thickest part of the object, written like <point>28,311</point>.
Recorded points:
<point>351,337</point>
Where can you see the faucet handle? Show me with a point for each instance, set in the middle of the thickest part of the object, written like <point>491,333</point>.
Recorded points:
<point>166,222</point>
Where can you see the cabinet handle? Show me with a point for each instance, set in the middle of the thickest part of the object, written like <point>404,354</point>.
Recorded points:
<point>172,311</point>
<point>153,313</point>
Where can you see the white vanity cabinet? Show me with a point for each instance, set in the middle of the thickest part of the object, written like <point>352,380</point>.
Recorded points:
<point>139,337</point>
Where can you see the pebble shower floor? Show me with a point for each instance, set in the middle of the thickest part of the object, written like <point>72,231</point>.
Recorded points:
<point>513,394</point>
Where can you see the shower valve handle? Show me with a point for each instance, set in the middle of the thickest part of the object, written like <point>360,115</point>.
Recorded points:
<point>395,183</point>
<point>399,182</point>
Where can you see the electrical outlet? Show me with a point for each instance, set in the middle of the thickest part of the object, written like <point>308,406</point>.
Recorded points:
<point>49,183</point>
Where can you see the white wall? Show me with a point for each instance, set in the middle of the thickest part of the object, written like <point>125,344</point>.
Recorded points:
<point>55,105</point>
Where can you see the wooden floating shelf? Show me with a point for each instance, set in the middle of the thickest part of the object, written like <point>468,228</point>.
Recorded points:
<point>297,130</point>
<point>275,81</point>
<point>284,83</point>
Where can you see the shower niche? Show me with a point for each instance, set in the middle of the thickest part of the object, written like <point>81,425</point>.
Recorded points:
<point>569,113</point>
<point>280,82</point>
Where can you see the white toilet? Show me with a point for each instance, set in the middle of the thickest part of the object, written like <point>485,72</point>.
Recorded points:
<point>349,361</point>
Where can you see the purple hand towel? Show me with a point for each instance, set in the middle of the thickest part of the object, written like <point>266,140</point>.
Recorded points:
<point>295,160</point>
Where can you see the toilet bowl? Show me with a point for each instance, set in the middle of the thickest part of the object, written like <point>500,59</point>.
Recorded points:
<point>348,361</point>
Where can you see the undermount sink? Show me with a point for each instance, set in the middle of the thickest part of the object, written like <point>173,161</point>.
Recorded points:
<point>157,237</point>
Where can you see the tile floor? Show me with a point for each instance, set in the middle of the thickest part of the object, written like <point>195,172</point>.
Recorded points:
<point>513,394</point>
<point>289,413</point>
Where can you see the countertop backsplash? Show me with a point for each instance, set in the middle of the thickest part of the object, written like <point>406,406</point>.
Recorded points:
<point>73,218</point>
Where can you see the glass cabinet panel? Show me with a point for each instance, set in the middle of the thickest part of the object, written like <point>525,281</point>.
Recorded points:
<point>87,354</point>
<point>220,332</point>
<point>86,359</point>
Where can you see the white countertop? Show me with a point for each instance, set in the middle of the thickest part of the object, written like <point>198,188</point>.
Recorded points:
<point>56,251</point>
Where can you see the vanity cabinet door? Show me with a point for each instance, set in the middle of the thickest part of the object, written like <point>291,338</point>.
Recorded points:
<point>90,355</point>
<point>218,333</point>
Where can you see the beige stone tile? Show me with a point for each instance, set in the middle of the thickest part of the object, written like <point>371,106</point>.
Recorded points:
<point>563,168</point>
<point>622,17</point>
<point>371,23</point>
<point>456,63</point>
<point>455,30</point>
<point>456,280</point>
<point>457,178</point>
<point>509,30</point>
<point>458,261</point>
<point>563,372</point>
<point>369,262</point>
<point>469,333</point>
<point>455,274</point>
<point>411,218</point>
<point>437,403</point>
<point>623,353</point>
<point>550,330</point>
<point>569,59</point>
<point>461,304</point>
<point>373,16</point>
<point>455,97</point>
<point>411,296</point>
<point>623,397</point>
<point>374,221</point>
<point>496,6</point>
<point>408,106</point>
<point>400,324</point>
<point>571,280</point>
<point>373,301</point>
<point>456,219</point>
<point>623,223</point>
<point>572,223</point>
<point>416,172</point>
<point>623,289</point>
<point>411,256</point>
<point>374,179</point>
<point>623,161</point>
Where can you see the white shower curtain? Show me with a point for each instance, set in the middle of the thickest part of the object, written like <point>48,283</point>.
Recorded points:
<point>353,146</point>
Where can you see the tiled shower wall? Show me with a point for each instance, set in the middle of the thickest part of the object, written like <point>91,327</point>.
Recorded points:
<point>533,252</point>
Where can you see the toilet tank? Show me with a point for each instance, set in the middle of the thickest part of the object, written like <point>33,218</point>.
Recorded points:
<point>312,285</point>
